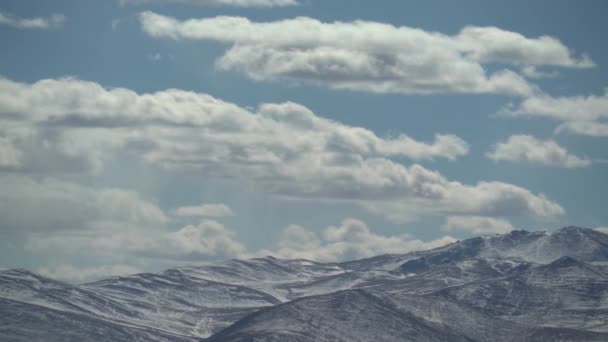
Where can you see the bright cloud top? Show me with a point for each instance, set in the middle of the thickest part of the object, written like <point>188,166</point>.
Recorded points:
<point>528,149</point>
<point>351,240</point>
<point>282,148</point>
<point>52,21</point>
<point>210,240</point>
<point>371,56</point>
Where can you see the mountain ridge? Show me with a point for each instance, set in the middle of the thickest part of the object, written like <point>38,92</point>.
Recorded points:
<point>521,285</point>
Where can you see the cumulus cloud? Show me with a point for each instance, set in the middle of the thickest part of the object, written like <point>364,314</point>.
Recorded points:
<point>52,21</point>
<point>204,210</point>
<point>371,56</point>
<point>443,197</point>
<point>208,240</point>
<point>352,239</point>
<point>281,148</point>
<point>477,225</point>
<point>236,3</point>
<point>566,108</point>
<point>74,103</point>
<point>528,149</point>
<point>51,205</point>
<point>589,128</point>
<point>76,274</point>
<point>585,115</point>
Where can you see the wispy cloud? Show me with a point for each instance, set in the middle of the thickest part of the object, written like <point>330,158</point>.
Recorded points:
<point>477,225</point>
<point>50,22</point>
<point>204,210</point>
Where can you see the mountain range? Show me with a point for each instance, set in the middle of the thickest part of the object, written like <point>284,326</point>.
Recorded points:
<point>520,286</point>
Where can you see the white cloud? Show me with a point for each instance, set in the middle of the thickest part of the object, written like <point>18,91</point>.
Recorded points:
<point>283,149</point>
<point>207,240</point>
<point>204,210</point>
<point>236,3</point>
<point>51,205</point>
<point>75,274</point>
<point>75,103</point>
<point>53,21</point>
<point>491,44</point>
<point>566,108</point>
<point>589,128</point>
<point>477,225</point>
<point>370,56</point>
<point>438,196</point>
<point>528,149</point>
<point>351,240</point>
<point>585,115</point>
<point>210,240</point>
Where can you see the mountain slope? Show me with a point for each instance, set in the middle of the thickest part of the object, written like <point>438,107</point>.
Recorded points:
<point>26,322</point>
<point>566,293</point>
<point>352,315</point>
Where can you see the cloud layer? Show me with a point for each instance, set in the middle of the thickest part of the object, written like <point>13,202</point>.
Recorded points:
<point>236,3</point>
<point>211,240</point>
<point>528,149</point>
<point>371,56</point>
<point>282,148</point>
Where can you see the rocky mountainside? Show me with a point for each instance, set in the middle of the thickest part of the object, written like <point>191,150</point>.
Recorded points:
<point>515,287</point>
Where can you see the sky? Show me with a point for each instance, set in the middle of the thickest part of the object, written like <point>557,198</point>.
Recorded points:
<point>137,135</point>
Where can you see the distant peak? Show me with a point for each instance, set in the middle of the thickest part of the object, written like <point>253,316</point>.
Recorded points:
<point>517,233</point>
<point>565,261</point>
<point>572,229</point>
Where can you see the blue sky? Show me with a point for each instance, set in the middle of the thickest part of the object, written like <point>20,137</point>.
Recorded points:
<point>298,130</point>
